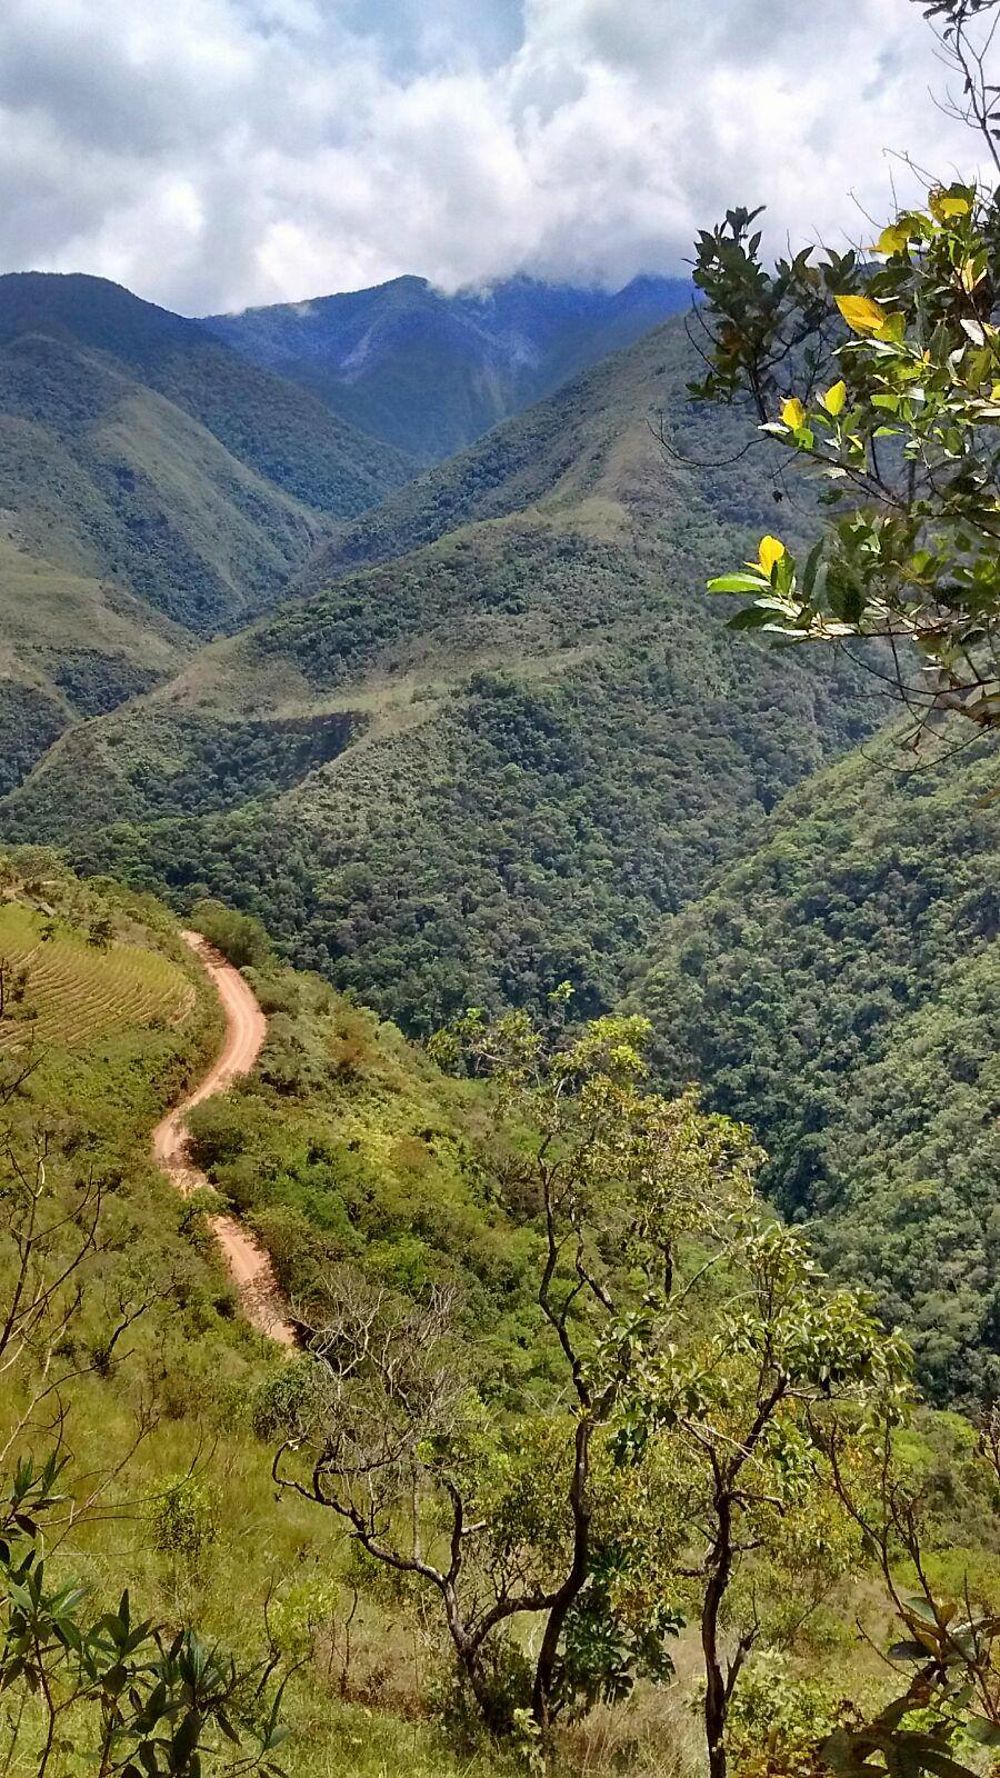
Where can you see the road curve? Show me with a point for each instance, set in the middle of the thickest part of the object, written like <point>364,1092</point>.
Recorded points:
<point>246,1027</point>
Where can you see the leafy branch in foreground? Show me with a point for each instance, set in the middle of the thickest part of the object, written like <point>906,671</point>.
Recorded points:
<point>138,1698</point>
<point>882,373</point>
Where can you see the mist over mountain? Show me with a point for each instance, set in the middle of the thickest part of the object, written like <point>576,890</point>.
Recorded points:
<point>429,372</point>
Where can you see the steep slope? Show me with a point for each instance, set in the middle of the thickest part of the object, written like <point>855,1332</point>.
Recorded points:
<point>71,646</point>
<point>840,988</point>
<point>152,484</point>
<point>273,428</point>
<point>539,734</point>
<point>430,373</point>
<point>595,446</point>
<point>352,1137</point>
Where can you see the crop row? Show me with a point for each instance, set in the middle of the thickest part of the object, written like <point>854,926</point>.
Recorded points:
<point>76,991</point>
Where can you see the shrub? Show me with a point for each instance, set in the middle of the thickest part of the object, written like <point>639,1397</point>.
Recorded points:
<point>185,1518</point>
<point>240,937</point>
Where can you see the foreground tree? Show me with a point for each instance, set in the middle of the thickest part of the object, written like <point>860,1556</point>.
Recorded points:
<point>879,371</point>
<point>687,1340</point>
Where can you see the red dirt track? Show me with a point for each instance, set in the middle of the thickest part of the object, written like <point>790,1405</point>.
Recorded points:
<point>246,1027</point>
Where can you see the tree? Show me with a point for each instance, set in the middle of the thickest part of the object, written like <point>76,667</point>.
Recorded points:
<point>240,937</point>
<point>690,1337</point>
<point>741,1400</point>
<point>948,1656</point>
<point>394,1420</point>
<point>879,369</point>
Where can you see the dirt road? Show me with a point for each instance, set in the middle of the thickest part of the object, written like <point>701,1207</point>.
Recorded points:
<point>246,1028</point>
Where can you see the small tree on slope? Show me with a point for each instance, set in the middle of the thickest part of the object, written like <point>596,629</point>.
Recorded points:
<point>689,1341</point>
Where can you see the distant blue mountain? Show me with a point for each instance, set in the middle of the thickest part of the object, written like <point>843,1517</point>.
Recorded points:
<point>430,373</point>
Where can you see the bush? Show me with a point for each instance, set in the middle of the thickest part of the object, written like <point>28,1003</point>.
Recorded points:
<point>184,1519</point>
<point>240,937</point>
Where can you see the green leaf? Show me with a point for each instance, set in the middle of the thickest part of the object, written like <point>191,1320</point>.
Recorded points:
<point>943,1766</point>
<point>185,1739</point>
<point>809,571</point>
<point>227,1727</point>
<point>737,583</point>
<point>921,1607</point>
<point>982,1731</point>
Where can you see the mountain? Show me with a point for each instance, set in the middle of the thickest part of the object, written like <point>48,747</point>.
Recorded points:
<point>154,486</point>
<point>430,373</point>
<point>473,770</point>
<point>839,988</point>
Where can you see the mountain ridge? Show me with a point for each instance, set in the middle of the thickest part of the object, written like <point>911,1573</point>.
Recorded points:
<point>154,488</point>
<point>430,372</point>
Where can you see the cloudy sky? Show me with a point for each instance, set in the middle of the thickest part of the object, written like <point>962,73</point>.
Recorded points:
<point>216,153</point>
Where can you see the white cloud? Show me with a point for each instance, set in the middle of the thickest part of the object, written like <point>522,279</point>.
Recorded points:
<point>214,153</point>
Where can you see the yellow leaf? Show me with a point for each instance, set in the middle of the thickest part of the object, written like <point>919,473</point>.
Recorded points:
<point>944,206</point>
<point>861,314</point>
<point>835,398</point>
<point>793,413</point>
<point>893,239</point>
<point>771,550</point>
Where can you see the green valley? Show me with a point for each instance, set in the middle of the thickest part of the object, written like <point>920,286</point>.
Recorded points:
<point>838,988</point>
<point>543,737</point>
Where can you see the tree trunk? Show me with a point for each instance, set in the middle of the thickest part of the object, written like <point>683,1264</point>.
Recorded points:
<point>716,1697</point>
<point>545,1670</point>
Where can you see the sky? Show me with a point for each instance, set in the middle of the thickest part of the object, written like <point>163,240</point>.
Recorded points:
<point>214,154</point>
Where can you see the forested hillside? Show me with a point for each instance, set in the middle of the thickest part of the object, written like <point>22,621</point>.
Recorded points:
<point>405,1209</point>
<point>839,989</point>
<point>430,373</point>
<point>552,737</point>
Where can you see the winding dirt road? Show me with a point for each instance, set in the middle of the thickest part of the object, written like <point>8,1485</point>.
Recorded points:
<point>246,1027</point>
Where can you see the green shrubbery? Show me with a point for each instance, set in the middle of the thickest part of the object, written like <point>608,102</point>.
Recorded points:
<point>239,937</point>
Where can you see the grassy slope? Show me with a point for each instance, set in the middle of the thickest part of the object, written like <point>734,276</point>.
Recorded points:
<point>349,1144</point>
<point>81,989</point>
<point>270,426</point>
<point>590,441</point>
<point>839,989</point>
<point>340,1104</point>
<point>346,1144</point>
<point>553,738</point>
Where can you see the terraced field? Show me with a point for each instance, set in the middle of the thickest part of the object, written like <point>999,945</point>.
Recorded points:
<point>76,991</point>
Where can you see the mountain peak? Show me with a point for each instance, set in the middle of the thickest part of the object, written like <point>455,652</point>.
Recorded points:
<point>429,372</point>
